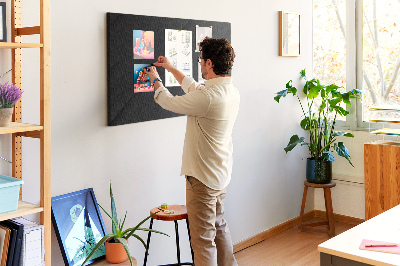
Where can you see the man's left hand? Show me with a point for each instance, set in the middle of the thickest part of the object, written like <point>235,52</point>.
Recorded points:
<point>152,72</point>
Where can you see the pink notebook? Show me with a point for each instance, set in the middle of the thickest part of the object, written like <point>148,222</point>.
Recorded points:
<point>393,249</point>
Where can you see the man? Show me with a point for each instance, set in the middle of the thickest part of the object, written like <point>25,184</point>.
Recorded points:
<point>207,155</point>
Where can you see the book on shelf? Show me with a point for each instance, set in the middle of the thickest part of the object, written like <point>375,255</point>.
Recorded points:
<point>11,245</point>
<point>32,250</point>
<point>13,260</point>
<point>4,243</point>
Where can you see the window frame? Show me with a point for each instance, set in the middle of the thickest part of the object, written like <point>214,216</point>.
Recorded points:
<point>354,70</point>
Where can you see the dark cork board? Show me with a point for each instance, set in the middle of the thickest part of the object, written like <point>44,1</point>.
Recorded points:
<point>125,106</point>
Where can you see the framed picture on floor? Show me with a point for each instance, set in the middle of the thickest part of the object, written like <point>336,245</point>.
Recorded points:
<point>289,34</point>
<point>78,226</point>
<point>3,25</point>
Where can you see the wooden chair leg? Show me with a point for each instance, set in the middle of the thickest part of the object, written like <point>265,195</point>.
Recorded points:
<point>329,211</point>
<point>303,204</point>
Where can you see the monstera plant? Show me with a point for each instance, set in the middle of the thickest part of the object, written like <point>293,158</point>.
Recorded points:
<point>324,103</point>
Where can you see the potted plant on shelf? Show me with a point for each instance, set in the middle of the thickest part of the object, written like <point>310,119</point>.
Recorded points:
<point>116,243</point>
<point>9,95</point>
<point>324,105</point>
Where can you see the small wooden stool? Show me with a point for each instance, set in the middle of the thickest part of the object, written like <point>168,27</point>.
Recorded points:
<point>180,213</point>
<point>328,207</point>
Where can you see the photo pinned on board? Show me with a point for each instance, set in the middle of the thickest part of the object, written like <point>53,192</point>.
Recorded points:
<point>141,80</point>
<point>143,44</point>
<point>201,33</point>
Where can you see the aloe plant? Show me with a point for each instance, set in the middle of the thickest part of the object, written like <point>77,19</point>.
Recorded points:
<point>119,234</point>
<point>320,124</point>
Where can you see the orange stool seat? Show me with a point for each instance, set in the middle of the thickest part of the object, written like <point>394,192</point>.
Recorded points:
<point>179,213</point>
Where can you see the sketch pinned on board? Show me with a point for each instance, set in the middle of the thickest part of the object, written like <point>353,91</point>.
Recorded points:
<point>3,27</point>
<point>201,33</point>
<point>143,44</point>
<point>178,49</point>
<point>141,80</point>
<point>289,34</point>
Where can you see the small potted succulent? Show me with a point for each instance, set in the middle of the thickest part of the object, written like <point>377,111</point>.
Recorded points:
<point>9,95</point>
<point>116,243</point>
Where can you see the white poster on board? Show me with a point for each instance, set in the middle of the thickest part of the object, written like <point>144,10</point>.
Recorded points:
<point>178,49</point>
<point>201,33</point>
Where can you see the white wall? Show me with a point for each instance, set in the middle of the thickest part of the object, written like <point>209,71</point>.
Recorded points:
<point>143,159</point>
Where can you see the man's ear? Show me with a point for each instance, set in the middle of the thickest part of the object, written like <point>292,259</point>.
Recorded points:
<point>209,63</point>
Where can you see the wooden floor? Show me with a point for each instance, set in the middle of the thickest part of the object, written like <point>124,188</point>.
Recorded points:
<point>290,247</point>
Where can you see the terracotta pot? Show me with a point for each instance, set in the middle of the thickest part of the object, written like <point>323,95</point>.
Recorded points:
<point>115,252</point>
<point>5,116</point>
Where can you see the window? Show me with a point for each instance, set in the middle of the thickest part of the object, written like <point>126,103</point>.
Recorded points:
<point>329,51</point>
<point>363,54</point>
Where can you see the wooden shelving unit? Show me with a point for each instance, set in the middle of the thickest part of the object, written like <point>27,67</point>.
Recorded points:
<point>24,208</point>
<point>16,127</point>
<point>42,131</point>
<point>8,45</point>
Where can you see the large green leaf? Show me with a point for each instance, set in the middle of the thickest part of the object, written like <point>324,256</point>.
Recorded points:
<point>346,98</point>
<point>294,140</point>
<point>341,111</point>
<point>338,133</point>
<point>102,240</point>
<point>331,88</point>
<point>140,239</point>
<point>309,85</point>
<point>280,94</point>
<point>113,211</point>
<point>345,134</point>
<point>355,93</point>
<point>126,247</point>
<point>313,92</point>
<point>327,156</point>
<point>305,123</point>
<point>303,73</point>
<point>152,230</point>
<point>283,93</point>
<point>114,222</point>
<point>290,88</point>
<point>122,224</point>
<point>343,151</point>
<point>334,102</point>
<point>132,230</point>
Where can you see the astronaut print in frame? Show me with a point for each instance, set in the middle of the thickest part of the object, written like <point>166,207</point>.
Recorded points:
<point>78,226</point>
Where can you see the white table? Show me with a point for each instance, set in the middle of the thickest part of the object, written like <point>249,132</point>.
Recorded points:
<point>344,248</point>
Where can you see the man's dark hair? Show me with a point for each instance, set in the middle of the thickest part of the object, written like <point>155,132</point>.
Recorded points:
<point>220,52</point>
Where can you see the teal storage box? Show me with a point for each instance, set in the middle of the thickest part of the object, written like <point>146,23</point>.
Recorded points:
<point>9,193</point>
